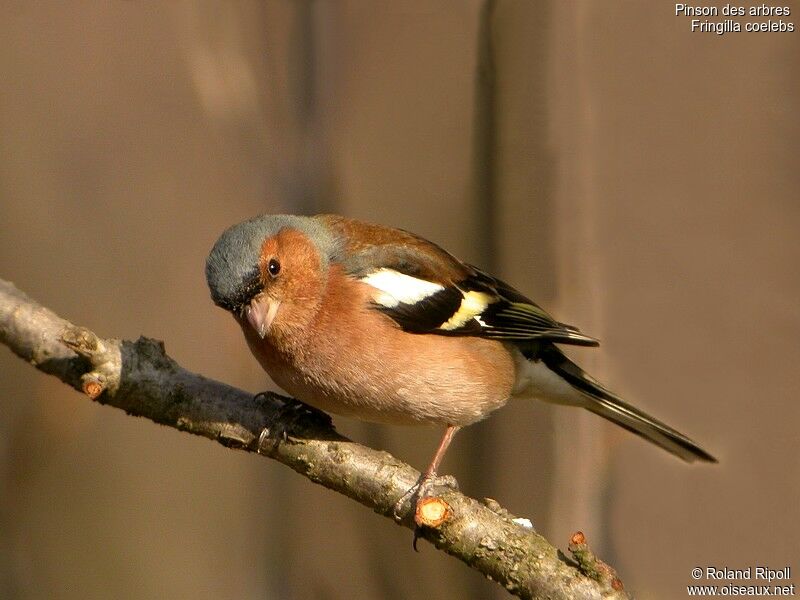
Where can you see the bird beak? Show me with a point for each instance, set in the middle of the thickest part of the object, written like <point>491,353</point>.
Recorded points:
<point>260,313</point>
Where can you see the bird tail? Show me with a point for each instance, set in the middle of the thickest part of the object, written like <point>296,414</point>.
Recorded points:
<point>608,405</point>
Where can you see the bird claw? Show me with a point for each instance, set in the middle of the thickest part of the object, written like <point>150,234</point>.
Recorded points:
<point>288,413</point>
<point>445,481</point>
<point>425,487</point>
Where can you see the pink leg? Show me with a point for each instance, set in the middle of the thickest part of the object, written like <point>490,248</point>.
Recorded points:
<point>432,469</point>
<point>429,475</point>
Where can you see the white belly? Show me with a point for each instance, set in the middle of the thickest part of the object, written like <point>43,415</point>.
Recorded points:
<point>535,380</point>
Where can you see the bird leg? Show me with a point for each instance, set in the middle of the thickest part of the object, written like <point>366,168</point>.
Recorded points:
<point>449,434</point>
<point>429,477</point>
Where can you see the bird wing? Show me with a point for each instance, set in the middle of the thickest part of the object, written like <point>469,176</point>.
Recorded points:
<point>477,305</point>
<point>425,289</point>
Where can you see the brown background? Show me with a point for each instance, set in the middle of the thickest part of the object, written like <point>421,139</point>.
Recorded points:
<point>639,180</point>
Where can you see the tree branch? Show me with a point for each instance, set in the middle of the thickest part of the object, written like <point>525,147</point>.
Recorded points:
<point>142,380</point>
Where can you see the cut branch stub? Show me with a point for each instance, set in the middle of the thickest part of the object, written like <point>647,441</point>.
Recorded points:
<point>591,566</point>
<point>432,512</point>
<point>104,358</point>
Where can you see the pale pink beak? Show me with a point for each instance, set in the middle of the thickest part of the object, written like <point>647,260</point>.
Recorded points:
<point>260,313</point>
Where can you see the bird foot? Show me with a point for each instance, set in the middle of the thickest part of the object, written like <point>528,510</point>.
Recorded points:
<point>288,413</point>
<point>427,486</point>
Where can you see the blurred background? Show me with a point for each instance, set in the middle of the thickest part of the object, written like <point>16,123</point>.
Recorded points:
<point>636,179</point>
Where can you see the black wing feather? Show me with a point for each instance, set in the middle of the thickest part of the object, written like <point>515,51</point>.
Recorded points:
<point>426,315</point>
<point>508,315</point>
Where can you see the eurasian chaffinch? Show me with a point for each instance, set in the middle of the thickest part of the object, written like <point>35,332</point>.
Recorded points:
<point>382,325</point>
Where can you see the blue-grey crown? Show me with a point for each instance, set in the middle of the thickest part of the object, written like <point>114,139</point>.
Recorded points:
<point>232,266</point>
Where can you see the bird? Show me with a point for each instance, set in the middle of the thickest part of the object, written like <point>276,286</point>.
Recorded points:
<point>377,323</point>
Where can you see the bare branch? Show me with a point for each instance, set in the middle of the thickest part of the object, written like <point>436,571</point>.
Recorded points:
<point>142,380</point>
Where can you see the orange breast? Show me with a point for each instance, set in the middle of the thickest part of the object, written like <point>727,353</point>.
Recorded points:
<point>353,360</point>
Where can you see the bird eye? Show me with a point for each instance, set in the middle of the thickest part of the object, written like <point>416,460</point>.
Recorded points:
<point>274,267</point>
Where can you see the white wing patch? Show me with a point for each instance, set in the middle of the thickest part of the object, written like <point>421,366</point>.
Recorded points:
<point>472,306</point>
<point>395,287</point>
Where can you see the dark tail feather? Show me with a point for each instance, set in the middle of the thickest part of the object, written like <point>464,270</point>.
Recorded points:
<point>610,406</point>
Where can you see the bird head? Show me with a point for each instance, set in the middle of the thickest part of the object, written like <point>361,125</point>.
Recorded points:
<point>269,269</point>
